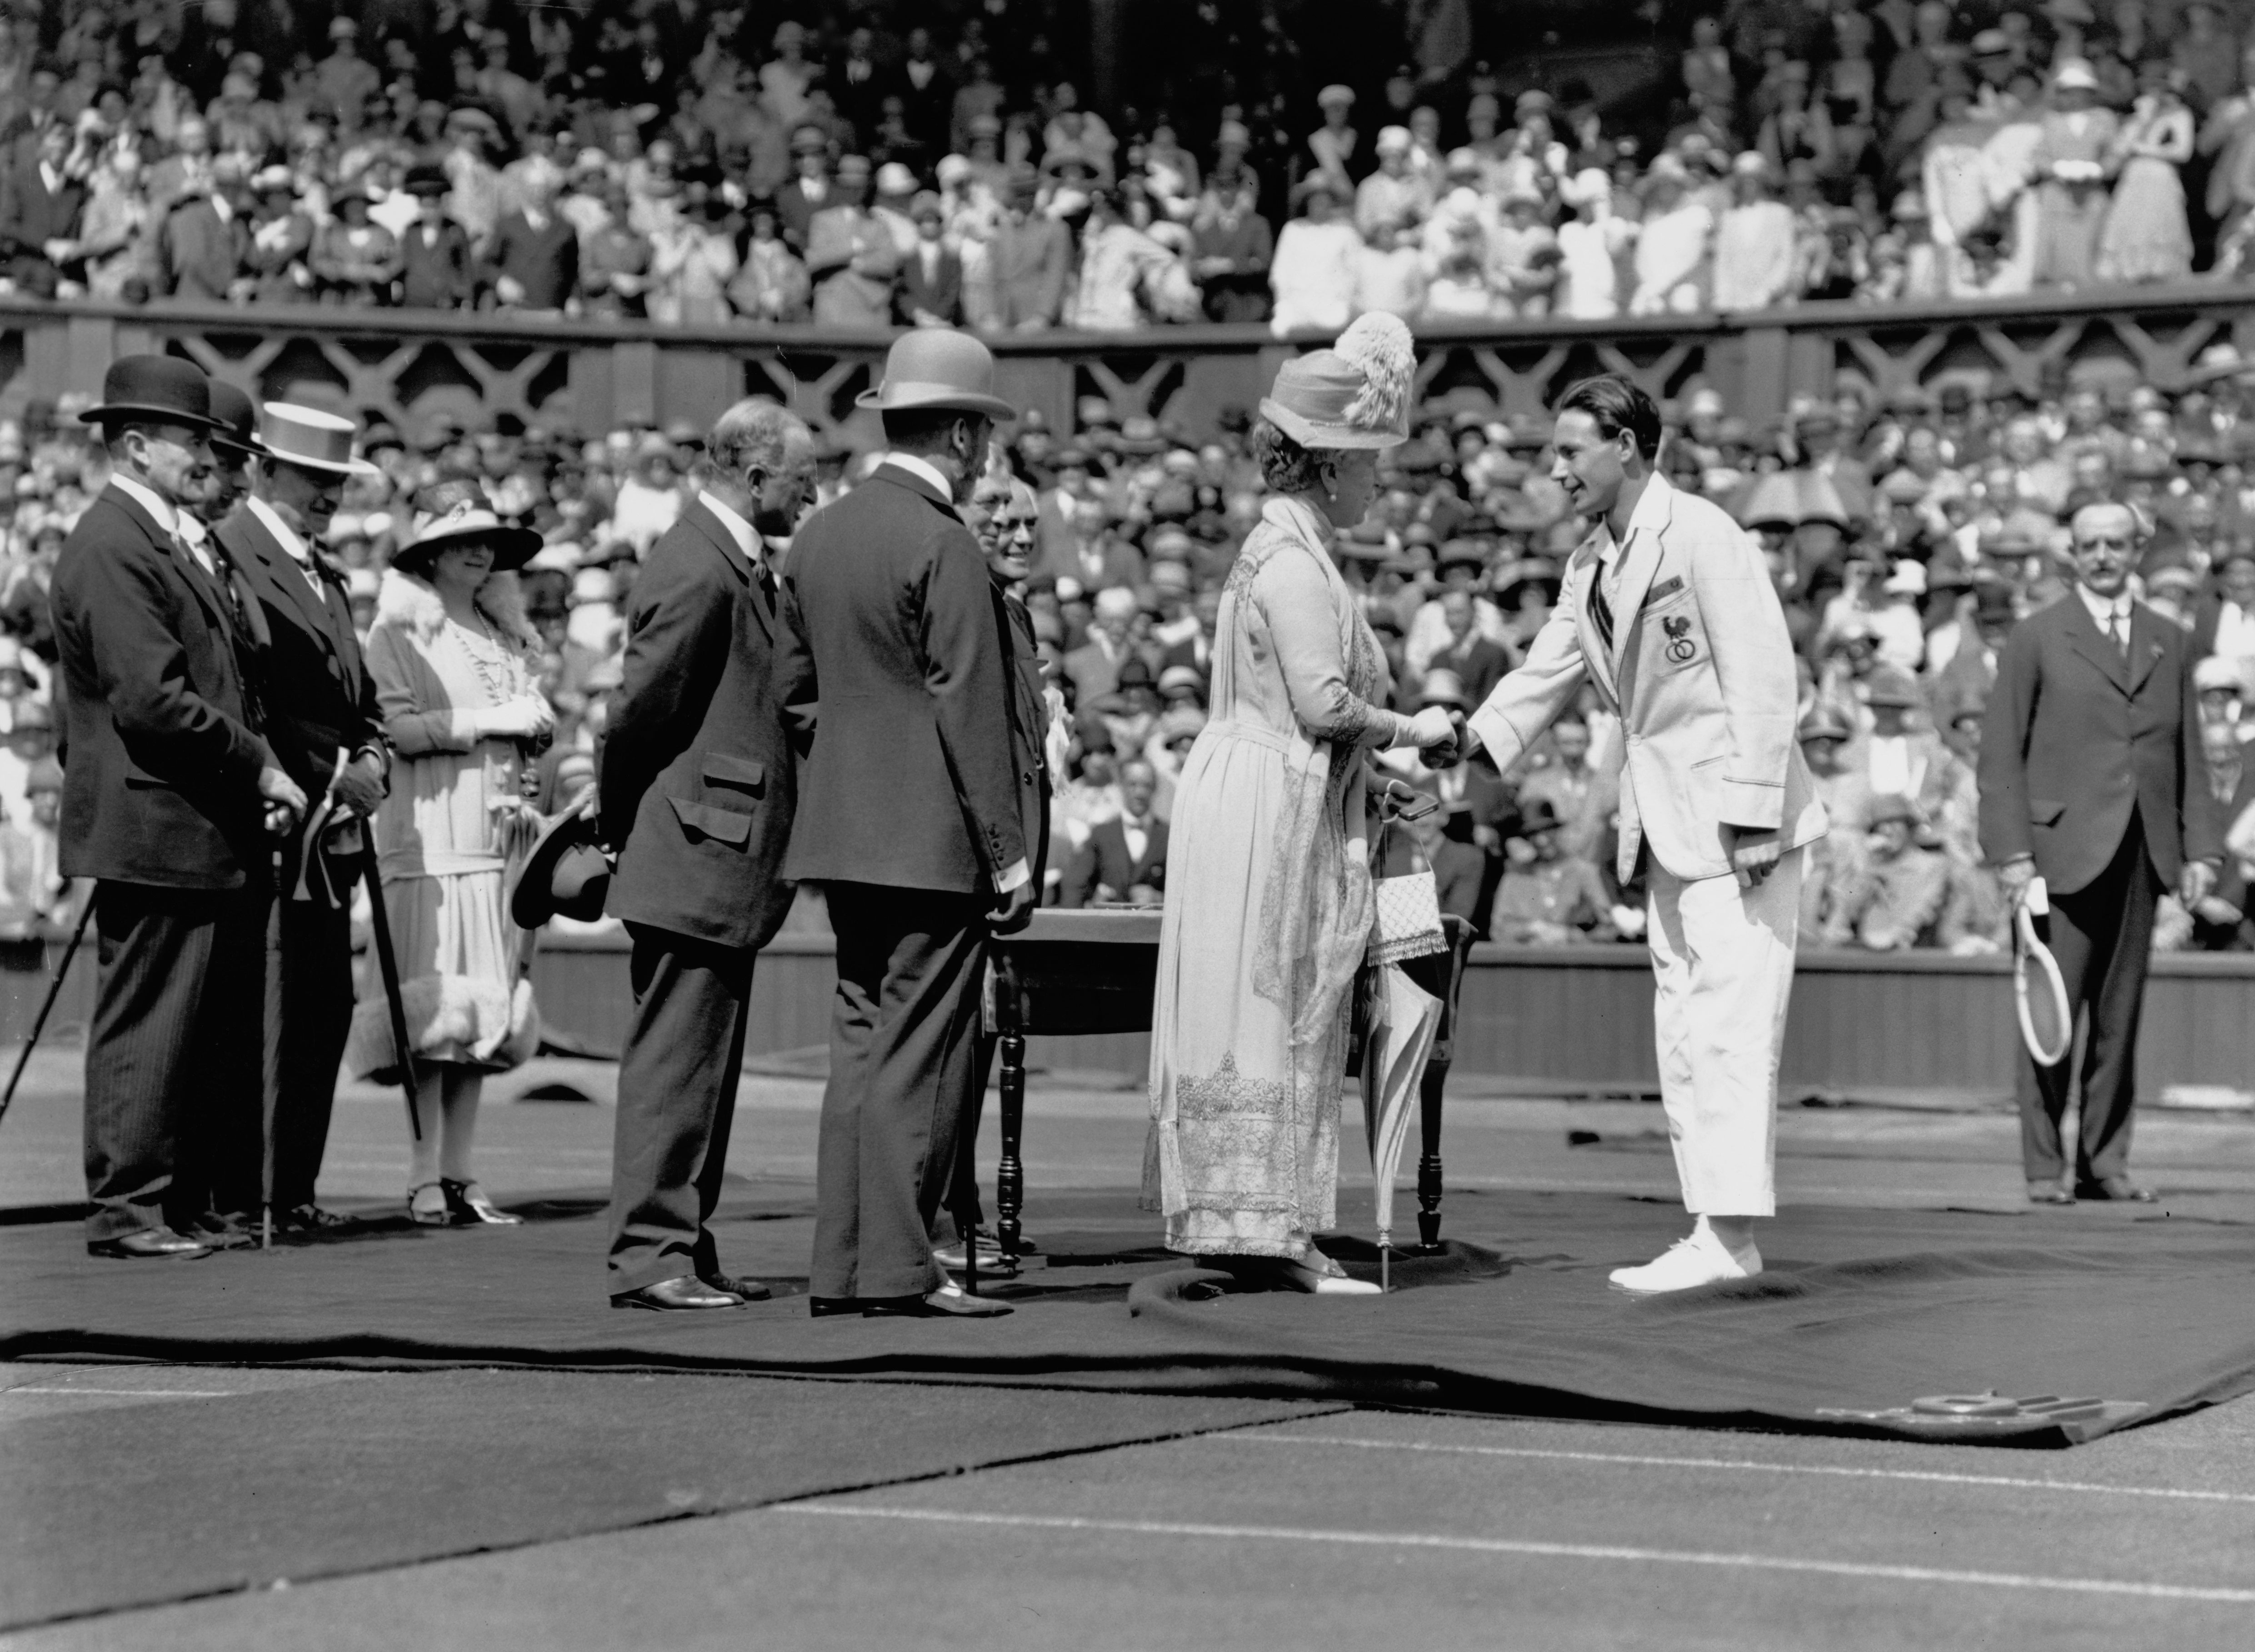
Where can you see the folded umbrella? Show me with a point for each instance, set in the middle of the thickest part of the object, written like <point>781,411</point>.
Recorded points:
<point>1402,1020</point>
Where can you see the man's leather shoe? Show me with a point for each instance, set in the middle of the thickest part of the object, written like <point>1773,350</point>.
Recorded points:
<point>149,1242</point>
<point>2048,1193</point>
<point>237,1230</point>
<point>309,1219</point>
<point>835,1307</point>
<point>742,1289</point>
<point>687,1293</point>
<point>947,1303</point>
<point>2120,1189</point>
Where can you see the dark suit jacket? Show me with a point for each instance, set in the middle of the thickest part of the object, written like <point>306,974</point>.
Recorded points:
<point>441,276</point>
<point>31,216</point>
<point>316,693</point>
<point>160,756</point>
<point>942,295</point>
<point>2076,738</point>
<point>1030,723</point>
<point>795,212</point>
<point>545,260</point>
<point>1104,859</point>
<point>912,781</point>
<point>697,779</point>
<point>1478,662</point>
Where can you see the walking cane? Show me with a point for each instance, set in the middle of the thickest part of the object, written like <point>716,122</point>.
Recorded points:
<point>388,965</point>
<point>270,1072</point>
<point>54,991</point>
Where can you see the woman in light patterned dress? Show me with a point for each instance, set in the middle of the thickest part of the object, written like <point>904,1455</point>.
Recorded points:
<point>454,658</point>
<point>1270,906</point>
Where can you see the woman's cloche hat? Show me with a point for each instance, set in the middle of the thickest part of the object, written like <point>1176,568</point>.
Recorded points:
<point>452,513</point>
<point>1355,394</point>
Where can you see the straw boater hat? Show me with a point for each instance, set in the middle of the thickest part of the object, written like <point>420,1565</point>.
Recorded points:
<point>938,367</point>
<point>1355,394</point>
<point>310,439</point>
<point>453,513</point>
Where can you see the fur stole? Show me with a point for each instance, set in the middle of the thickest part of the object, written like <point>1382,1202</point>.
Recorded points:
<point>410,604</point>
<point>481,1023</point>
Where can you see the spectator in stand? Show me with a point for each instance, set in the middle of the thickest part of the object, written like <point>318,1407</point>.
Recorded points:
<point>534,263</point>
<point>438,269</point>
<point>1753,241</point>
<point>200,246</point>
<point>1124,861</point>
<point>1554,898</point>
<point>1897,898</point>
<point>851,256</point>
<point>771,285</point>
<point>1231,247</point>
<point>1316,268</point>
<point>1027,264</point>
<point>931,272</point>
<point>41,207</point>
<point>354,261</point>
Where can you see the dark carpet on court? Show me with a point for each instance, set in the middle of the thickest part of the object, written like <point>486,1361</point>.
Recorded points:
<point>132,1505</point>
<point>1861,1314</point>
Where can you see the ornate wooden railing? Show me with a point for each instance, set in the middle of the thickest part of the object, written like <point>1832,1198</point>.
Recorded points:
<point>594,377</point>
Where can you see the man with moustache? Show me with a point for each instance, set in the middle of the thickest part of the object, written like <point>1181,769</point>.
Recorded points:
<point>169,792</point>
<point>321,701</point>
<point>2091,779</point>
<point>697,790</point>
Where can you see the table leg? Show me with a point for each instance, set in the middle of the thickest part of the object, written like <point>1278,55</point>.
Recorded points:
<point>1429,1159</point>
<point>1010,1174</point>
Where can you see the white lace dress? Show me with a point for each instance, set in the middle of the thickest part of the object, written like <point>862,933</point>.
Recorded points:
<point>1268,906</point>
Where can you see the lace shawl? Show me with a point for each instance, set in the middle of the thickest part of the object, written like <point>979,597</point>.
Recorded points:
<point>1315,911</point>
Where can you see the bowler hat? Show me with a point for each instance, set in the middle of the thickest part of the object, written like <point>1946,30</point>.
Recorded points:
<point>424,179</point>
<point>1890,685</point>
<point>938,367</point>
<point>310,439</point>
<point>239,415</point>
<point>1538,814</point>
<point>564,875</point>
<point>160,389</point>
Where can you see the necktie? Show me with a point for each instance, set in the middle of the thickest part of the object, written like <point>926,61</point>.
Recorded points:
<point>1600,609</point>
<point>763,577</point>
<point>2118,630</point>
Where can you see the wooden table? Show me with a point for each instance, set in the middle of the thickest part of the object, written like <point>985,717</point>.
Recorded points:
<point>1093,972</point>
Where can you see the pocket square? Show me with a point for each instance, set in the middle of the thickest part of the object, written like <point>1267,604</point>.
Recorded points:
<point>1668,586</point>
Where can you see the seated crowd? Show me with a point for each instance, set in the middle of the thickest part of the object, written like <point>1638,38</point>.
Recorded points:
<point>874,165</point>
<point>1905,537</point>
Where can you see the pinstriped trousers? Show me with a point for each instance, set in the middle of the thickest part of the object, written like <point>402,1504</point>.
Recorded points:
<point>173,1055</point>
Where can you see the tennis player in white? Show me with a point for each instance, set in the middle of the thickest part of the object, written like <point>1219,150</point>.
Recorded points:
<point>1668,609</point>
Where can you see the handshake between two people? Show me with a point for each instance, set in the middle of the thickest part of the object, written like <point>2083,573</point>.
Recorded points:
<point>1440,735</point>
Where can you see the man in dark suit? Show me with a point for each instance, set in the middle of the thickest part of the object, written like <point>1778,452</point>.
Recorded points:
<point>1476,661</point>
<point>2090,778</point>
<point>439,271</point>
<point>39,211</point>
<point>320,701</point>
<point>697,789</point>
<point>930,291</point>
<point>167,787</point>
<point>911,814</point>
<point>1125,858</point>
<point>809,190</point>
<point>534,263</point>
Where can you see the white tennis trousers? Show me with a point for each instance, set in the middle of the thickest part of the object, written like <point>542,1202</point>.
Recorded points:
<point>1721,963</point>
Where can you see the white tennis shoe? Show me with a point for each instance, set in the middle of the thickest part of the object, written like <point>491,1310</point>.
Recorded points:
<point>1701,1259</point>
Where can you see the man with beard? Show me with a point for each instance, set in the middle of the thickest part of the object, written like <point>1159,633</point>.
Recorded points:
<point>320,701</point>
<point>697,792</point>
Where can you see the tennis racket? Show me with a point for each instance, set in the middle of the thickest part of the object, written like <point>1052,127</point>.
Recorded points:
<point>2047,1026</point>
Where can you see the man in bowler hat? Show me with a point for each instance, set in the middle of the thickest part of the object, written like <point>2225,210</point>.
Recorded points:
<point>320,700</point>
<point>168,791</point>
<point>696,789</point>
<point>909,815</point>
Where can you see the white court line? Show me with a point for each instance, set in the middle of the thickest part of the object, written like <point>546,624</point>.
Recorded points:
<point>1563,1551</point>
<point>1743,1464</point>
<point>137,1394</point>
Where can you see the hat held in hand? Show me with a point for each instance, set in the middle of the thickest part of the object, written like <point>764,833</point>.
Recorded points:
<point>565,876</point>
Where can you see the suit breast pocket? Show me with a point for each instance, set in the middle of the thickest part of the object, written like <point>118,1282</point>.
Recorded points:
<point>745,776</point>
<point>1676,640</point>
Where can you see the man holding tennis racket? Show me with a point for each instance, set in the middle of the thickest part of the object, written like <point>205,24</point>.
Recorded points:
<point>2093,804</point>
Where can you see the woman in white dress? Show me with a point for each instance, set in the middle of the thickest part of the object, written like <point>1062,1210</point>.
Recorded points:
<point>2148,236</point>
<point>1269,907</point>
<point>454,660</point>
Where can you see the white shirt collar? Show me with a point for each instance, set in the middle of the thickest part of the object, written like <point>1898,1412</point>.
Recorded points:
<point>159,509</point>
<point>285,535</point>
<point>925,470</point>
<point>747,540</point>
<point>2102,609</point>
